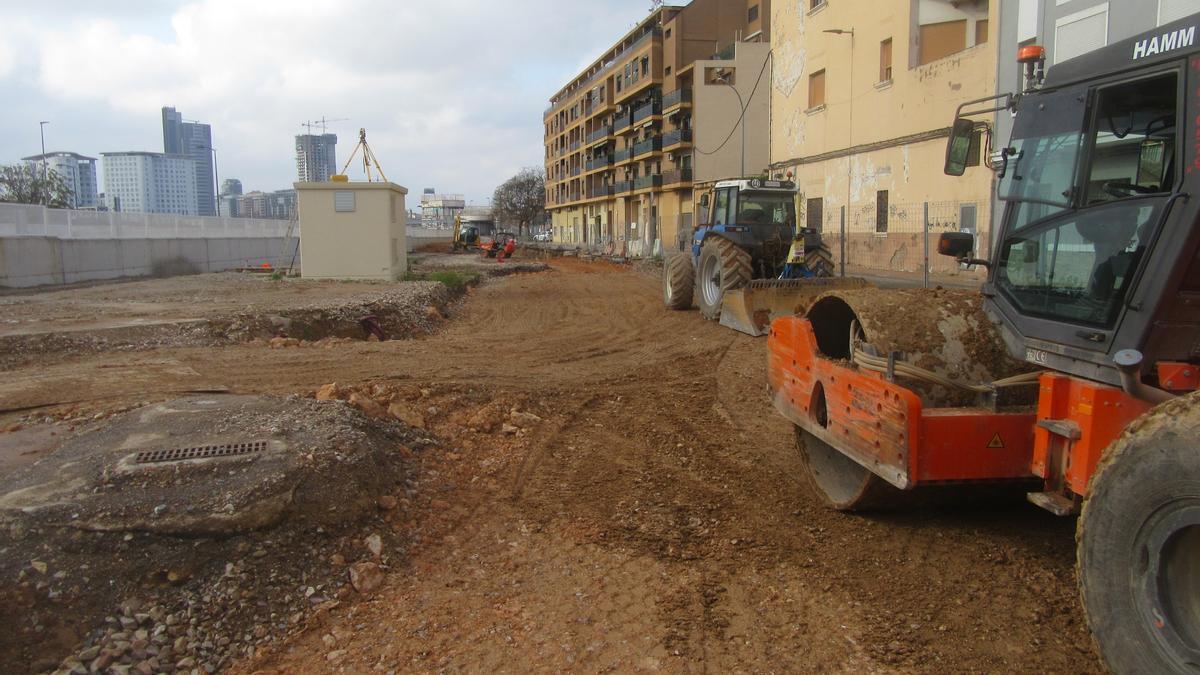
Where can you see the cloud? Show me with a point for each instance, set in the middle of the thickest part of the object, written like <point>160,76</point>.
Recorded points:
<point>451,93</point>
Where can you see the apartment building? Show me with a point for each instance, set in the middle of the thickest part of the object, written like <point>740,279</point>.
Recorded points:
<point>149,182</point>
<point>863,95</point>
<point>621,138</point>
<point>77,172</point>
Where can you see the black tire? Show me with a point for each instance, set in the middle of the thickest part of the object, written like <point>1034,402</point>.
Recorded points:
<point>1139,545</point>
<point>820,261</point>
<point>844,484</point>
<point>678,281</point>
<point>723,266</point>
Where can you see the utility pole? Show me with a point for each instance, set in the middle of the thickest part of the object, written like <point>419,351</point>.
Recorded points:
<point>45,168</point>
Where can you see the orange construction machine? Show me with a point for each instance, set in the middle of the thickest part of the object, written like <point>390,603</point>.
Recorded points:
<point>1075,367</point>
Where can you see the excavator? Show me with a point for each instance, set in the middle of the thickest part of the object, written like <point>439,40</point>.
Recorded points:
<point>1074,370</point>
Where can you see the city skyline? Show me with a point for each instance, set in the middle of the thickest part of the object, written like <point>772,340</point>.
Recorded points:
<point>461,119</point>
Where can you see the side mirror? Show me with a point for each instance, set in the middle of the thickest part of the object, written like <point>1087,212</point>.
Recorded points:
<point>957,244</point>
<point>958,148</point>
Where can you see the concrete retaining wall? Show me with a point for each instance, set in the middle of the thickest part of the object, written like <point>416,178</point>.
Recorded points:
<point>37,261</point>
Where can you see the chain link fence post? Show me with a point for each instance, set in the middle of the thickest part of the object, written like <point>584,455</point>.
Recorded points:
<point>925,237</point>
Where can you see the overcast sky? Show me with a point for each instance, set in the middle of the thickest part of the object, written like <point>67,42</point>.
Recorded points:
<point>451,92</point>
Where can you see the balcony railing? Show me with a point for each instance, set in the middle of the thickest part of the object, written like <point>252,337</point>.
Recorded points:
<point>600,134</point>
<point>676,97</point>
<point>599,191</point>
<point>651,108</point>
<point>575,145</point>
<point>677,176</point>
<point>599,162</point>
<point>725,54</point>
<point>622,155</point>
<point>622,122</point>
<point>653,180</point>
<point>676,137</point>
<point>648,145</point>
<point>575,172</point>
<point>622,186</point>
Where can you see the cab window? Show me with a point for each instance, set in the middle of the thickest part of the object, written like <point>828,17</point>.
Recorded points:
<point>1133,145</point>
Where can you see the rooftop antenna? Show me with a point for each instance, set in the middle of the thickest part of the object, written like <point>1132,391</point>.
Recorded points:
<point>368,158</point>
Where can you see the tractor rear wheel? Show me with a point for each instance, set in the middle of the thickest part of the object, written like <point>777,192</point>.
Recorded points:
<point>678,281</point>
<point>724,266</point>
<point>845,484</point>
<point>1139,545</point>
<point>819,261</point>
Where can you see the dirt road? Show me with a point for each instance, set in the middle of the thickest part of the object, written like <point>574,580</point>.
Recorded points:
<point>655,519</point>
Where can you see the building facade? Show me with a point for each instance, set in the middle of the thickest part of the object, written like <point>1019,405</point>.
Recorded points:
<point>230,190</point>
<point>277,205</point>
<point>149,182</point>
<point>316,157</point>
<point>193,140</point>
<point>621,138</point>
<point>77,171</point>
<point>439,210</point>
<point>862,98</point>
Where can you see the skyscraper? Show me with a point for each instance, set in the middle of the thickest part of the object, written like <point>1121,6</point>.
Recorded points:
<point>193,140</point>
<point>316,157</point>
<point>149,182</point>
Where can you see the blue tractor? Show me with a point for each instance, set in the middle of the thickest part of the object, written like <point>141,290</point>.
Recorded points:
<point>748,261</point>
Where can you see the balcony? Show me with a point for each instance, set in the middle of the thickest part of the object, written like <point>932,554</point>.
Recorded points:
<point>622,186</point>
<point>575,145</point>
<point>599,162</point>
<point>622,155</point>
<point>599,191</point>
<point>677,176</point>
<point>725,54</point>
<point>652,108</point>
<point>575,172</point>
<point>648,145</point>
<point>652,181</point>
<point>677,97</point>
<point>676,137</point>
<point>599,134</point>
<point>622,122</point>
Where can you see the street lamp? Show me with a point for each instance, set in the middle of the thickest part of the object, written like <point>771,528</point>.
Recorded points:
<point>45,171</point>
<point>849,136</point>
<point>724,79</point>
<point>216,182</point>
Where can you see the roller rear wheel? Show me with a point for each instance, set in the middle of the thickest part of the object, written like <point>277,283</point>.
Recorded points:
<point>1139,545</point>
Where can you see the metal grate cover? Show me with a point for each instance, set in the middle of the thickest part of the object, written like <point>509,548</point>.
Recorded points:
<point>198,452</point>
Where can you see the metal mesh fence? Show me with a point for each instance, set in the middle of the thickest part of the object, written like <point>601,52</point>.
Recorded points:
<point>38,221</point>
<point>901,239</point>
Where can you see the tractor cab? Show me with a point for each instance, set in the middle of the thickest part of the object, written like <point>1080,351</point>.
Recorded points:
<point>757,215</point>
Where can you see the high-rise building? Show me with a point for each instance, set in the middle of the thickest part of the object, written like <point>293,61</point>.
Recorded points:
<point>316,157</point>
<point>149,182</point>
<point>231,189</point>
<point>77,171</point>
<point>620,136</point>
<point>193,140</point>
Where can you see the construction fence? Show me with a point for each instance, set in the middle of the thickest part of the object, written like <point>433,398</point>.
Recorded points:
<point>901,239</point>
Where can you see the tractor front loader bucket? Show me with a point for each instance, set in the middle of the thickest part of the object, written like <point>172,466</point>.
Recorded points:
<point>751,308</point>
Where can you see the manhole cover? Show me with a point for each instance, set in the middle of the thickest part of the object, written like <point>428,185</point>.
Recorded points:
<point>199,452</point>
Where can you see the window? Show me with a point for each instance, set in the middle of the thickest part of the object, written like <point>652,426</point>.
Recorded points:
<point>813,4</point>
<point>881,211</point>
<point>814,213</point>
<point>1080,32</point>
<point>939,40</point>
<point>645,66</point>
<point>981,31</point>
<point>816,89</point>
<point>667,34</point>
<point>752,15</point>
<point>1077,264</point>
<point>721,209</point>
<point>885,60</point>
<point>667,70</point>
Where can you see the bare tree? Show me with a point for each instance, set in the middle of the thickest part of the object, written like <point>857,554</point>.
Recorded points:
<point>26,184</point>
<point>520,199</point>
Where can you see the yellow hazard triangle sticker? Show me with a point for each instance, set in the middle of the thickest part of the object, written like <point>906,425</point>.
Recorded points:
<point>996,441</point>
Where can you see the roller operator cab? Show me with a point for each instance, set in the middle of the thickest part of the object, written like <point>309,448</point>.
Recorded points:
<point>1077,365</point>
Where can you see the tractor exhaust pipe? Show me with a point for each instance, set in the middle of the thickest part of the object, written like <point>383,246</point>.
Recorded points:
<point>1129,362</point>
